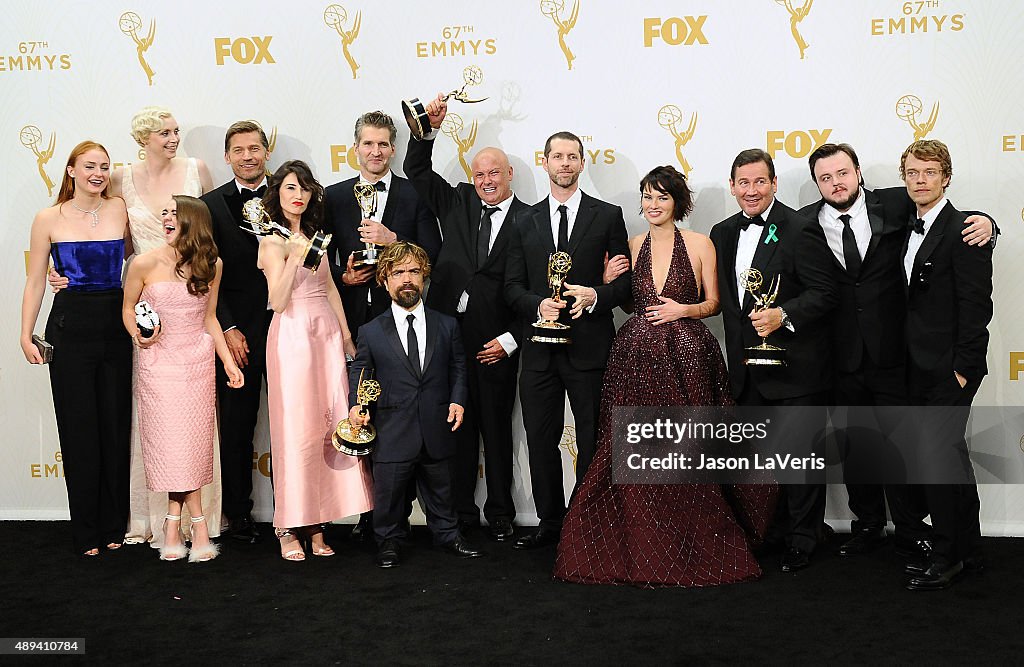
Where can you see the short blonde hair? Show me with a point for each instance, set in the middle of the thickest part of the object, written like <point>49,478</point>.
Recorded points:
<point>147,121</point>
<point>396,253</point>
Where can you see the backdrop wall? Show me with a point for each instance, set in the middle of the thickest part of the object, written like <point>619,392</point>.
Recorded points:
<point>659,82</point>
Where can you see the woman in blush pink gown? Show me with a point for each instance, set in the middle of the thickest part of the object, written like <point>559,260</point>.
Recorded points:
<point>175,369</point>
<point>307,385</point>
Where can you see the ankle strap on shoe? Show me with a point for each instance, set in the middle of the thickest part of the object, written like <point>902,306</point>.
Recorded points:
<point>198,519</point>
<point>172,517</point>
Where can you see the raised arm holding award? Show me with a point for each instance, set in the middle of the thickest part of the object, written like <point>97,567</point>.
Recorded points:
<point>415,110</point>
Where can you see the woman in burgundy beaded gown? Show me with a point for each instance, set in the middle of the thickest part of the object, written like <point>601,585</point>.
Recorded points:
<point>660,534</point>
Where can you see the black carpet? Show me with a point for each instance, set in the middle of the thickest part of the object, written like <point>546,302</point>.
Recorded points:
<point>250,607</point>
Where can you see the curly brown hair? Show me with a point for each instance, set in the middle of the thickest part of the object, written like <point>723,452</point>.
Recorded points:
<point>398,252</point>
<point>194,244</point>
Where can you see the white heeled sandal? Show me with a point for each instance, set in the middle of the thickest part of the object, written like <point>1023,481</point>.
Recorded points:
<point>204,553</point>
<point>178,551</point>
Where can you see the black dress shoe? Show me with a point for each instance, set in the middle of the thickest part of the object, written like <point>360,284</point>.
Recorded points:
<point>972,564</point>
<point>794,559</point>
<point>863,541</point>
<point>936,577</point>
<point>541,538</point>
<point>913,550</point>
<point>243,529</point>
<point>387,554</point>
<point>459,547</point>
<point>500,530</point>
<point>362,531</point>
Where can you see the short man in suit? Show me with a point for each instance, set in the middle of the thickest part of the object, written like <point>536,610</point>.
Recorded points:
<point>866,231</point>
<point>467,283</point>
<point>242,311</point>
<point>400,215</point>
<point>416,355</point>
<point>589,230</point>
<point>949,306</point>
<point>769,236</point>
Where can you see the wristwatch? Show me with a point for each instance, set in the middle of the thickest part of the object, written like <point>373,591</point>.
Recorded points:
<point>785,320</point>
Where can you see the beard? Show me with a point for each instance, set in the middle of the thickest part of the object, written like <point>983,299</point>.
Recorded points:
<point>407,296</point>
<point>844,204</point>
<point>565,180</point>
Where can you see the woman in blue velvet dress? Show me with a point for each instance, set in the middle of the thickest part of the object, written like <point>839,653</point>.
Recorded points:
<point>90,375</point>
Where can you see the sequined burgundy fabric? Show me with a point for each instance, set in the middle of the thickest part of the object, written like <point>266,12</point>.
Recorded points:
<point>654,535</point>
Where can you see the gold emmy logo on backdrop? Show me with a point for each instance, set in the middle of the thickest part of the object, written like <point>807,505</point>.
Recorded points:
<point>670,117</point>
<point>909,108</point>
<point>130,24</point>
<point>1016,365</point>
<point>336,17</point>
<point>31,137</point>
<point>553,10</point>
<point>452,126</point>
<point>568,443</point>
<point>272,141</point>
<point>797,14</point>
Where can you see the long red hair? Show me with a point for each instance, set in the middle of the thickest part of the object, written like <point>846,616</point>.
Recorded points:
<point>67,186</point>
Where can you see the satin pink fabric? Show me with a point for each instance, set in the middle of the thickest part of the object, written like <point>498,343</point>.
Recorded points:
<point>175,392</point>
<point>307,392</point>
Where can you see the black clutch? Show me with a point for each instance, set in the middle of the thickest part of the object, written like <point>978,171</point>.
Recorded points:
<point>45,349</point>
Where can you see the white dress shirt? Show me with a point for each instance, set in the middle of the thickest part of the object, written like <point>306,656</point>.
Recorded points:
<point>419,325</point>
<point>382,197</point>
<point>915,241</point>
<point>572,205</point>
<point>828,218</point>
<point>746,246</point>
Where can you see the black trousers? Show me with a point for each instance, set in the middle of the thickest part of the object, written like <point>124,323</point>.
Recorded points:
<point>955,508</point>
<point>542,397</point>
<point>433,479</point>
<point>492,397</point>
<point>91,381</point>
<point>883,387</point>
<point>239,411</point>
<point>800,513</point>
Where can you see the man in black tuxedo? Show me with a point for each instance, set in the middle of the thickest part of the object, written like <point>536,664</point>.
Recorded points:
<point>866,231</point>
<point>467,283</point>
<point>416,355</point>
<point>400,215</point>
<point>589,230</point>
<point>949,306</point>
<point>769,236</point>
<point>242,311</point>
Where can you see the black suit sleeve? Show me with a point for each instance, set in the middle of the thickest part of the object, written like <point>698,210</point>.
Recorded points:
<point>517,282</point>
<point>814,270</point>
<point>224,315</point>
<point>458,387</point>
<point>438,193</point>
<point>620,289</point>
<point>972,284</point>
<point>428,234</point>
<point>363,363</point>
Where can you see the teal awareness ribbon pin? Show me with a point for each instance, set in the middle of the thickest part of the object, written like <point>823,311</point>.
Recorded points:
<point>771,234</point>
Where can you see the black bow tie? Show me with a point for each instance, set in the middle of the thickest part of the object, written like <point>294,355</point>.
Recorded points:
<point>248,194</point>
<point>918,225</point>
<point>756,220</point>
<point>380,186</point>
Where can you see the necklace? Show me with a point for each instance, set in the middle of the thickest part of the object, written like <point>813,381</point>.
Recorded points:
<point>95,217</point>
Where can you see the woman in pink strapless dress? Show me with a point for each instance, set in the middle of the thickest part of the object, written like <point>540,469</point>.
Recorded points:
<point>175,368</point>
<point>307,384</point>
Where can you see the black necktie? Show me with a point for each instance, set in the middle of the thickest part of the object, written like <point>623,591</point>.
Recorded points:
<point>850,252</point>
<point>248,194</point>
<point>484,237</point>
<point>413,346</point>
<point>918,225</point>
<point>379,186</point>
<point>563,228</point>
<point>756,220</point>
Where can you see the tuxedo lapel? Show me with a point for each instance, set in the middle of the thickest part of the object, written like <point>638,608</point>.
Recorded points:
<point>542,221</point>
<point>931,240</point>
<point>394,196</point>
<point>475,214</point>
<point>584,216</point>
<point>876,218</point>
<point>391,333</point>
<point>233,203</point>
<point>732,237</point>
<point>766,249</point>
<point>431,339</point>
